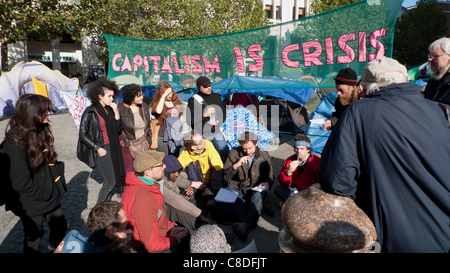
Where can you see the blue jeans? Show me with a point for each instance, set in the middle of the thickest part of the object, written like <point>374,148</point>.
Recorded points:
<point>221,145</point>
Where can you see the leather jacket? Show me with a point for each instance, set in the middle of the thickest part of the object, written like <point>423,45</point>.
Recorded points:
<point>90,136</point>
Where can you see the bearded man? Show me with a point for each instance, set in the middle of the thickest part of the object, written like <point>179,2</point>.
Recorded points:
<point>347,90</point>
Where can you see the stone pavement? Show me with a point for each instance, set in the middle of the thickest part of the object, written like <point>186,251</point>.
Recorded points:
<point>84,184</point>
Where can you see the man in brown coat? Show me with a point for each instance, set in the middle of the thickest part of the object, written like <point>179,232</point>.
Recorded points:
<point>248,171</point>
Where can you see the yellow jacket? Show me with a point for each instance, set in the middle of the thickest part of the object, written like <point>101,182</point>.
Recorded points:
<point>209,158</point>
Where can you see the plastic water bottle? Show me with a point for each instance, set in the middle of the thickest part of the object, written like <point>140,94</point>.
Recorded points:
<point>294,191</point>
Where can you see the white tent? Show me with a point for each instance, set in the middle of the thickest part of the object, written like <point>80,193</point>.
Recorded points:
<point>28,77</point>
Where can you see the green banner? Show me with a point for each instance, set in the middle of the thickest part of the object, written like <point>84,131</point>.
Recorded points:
<point>312,47</point>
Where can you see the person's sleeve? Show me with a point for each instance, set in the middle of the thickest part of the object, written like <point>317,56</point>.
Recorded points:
<point>84,133</point>
<point>339,165</point>
<point>183,158</point>
<point>283,178</point>
<point>215,158</point>
<point>195,118</point>
<point>270,176</point>
<point>228,170</point>
<point>179,203</point>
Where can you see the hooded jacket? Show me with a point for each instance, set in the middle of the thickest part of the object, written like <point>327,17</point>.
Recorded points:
<point>390,152</point>
<point>172,194</point>
<point>146,215</point>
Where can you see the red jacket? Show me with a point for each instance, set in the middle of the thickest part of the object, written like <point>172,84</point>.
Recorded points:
<point>146,214</point>
<point>300,179</point>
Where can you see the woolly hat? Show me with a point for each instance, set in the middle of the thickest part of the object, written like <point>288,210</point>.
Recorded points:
<point>147,159</point>
<point>209,239</point>
<point>347,76</point>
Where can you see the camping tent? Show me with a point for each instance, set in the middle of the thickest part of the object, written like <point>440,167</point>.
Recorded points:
<point>315,129</point>
<point>282,100</point>
<point>290,90</point>
<point>36,78</point>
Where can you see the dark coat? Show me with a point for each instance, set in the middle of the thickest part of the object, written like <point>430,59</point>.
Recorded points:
<point>391,152</point>
<point>196,119</point>
<point>438,90</point>
<point>246,177</point>
<point>127,120</point>
<point>32,194</point>
<point>90,137</point>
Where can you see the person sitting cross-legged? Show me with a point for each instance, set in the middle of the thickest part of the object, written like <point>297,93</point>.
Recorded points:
<point>248,167</point>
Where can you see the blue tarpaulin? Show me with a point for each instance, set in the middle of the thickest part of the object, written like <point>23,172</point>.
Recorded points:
<point>315,130</point>
<point>290,90</point>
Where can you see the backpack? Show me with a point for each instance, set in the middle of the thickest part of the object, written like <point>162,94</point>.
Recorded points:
<point>194,171</point>
<point>74,242</point>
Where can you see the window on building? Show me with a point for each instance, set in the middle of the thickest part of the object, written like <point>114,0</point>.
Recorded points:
<point>268,9</point>
<point>300,13</point>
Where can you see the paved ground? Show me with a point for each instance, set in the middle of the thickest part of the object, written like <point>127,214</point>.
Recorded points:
<point>84,184</point>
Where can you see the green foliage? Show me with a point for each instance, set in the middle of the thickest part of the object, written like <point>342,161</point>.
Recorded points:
<point>319,6</point>
<point>139,19</point>
<point>416,30</point>
<point>154,19</point>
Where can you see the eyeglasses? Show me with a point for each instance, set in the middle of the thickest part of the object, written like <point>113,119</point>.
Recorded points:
<point>434,56</point>
<point>158,166</point>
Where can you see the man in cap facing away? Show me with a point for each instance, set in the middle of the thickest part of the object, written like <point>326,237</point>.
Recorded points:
<point>144,205</point>
<point>390,152</point>
<point>346,83</point>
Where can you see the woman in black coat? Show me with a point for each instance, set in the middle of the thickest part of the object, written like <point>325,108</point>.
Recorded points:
<point>98,143</point>
<point>36,187</point>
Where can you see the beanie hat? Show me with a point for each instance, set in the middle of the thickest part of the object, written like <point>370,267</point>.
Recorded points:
<point>147,159</point>
<point>209,239</point>
<point>347,76</point>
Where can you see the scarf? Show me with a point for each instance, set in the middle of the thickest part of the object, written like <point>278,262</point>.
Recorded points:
<point>114,143</point>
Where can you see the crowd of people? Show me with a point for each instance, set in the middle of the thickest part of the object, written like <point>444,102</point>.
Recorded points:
<point>387,150</point>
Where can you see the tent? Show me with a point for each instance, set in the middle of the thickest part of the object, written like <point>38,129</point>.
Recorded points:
<point>123,80</point>
<point>315,129</point>
<point>241,119</point>
<point>290,90</point>
<point>35,78</point>
<point>281,106</point>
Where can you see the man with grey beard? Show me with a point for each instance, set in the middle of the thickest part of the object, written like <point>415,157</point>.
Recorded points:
<point>438,87</point>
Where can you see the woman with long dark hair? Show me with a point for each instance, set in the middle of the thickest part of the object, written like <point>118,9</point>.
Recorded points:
<point>99,137</point>
<point>35,193</point>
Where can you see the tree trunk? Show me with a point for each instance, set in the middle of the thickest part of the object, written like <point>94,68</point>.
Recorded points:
<point>56,63</point>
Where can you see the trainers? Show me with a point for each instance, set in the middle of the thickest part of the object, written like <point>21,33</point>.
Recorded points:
<point>240,229</point>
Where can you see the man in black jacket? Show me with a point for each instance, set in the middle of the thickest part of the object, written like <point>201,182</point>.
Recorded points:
<point>207,113</point>
<point>438,86</point>
<point>390,152</point>
<point>347,91</point>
